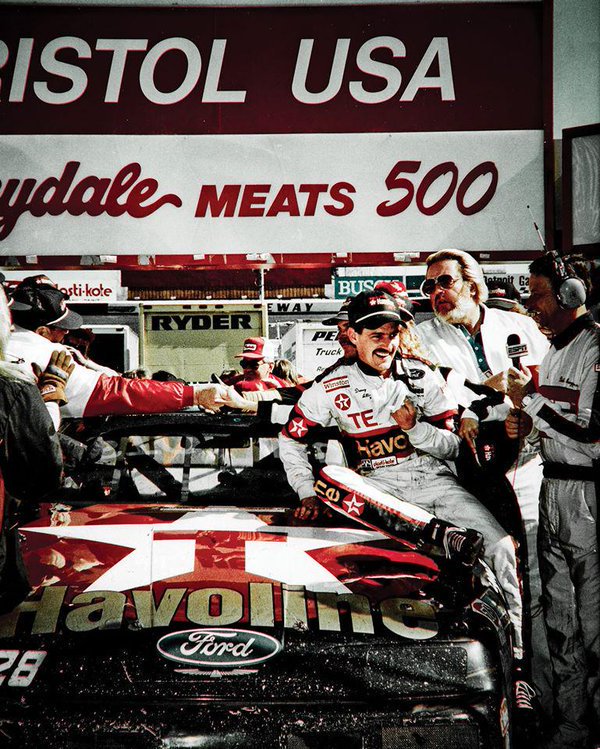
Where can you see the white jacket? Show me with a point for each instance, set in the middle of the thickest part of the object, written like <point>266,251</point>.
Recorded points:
<point>26,347</point>
<point>447,345</point>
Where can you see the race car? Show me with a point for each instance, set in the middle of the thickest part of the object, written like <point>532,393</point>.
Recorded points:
<point>175,601</point>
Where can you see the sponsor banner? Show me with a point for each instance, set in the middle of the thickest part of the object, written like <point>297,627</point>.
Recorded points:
<point>346,286</point>
<point>364,192</point>
<point>351,281</point>
<point>80,285</point>
<point>394,68</point>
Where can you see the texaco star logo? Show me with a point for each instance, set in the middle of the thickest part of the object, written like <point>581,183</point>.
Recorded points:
<point>353,505</point>
<point>298,428</point>
<point>342,401</point>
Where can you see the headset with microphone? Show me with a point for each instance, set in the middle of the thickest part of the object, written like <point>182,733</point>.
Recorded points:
<point>569,288</point>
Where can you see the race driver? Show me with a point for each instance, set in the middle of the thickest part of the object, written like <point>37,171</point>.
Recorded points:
<point>38,332</point>
<point>399,444</point>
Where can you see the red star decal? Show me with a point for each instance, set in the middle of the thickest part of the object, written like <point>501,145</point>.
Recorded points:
<point>342,401</point>
<point>298,428</point>
<point>353,505</point>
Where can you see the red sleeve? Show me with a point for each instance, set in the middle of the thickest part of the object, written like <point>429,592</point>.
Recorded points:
<point>118,395</point>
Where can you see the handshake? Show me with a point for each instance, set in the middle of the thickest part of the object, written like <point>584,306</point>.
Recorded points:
<point>213,397</point>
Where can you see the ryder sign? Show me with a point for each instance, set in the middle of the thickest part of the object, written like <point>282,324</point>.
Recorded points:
<point>313,129</point>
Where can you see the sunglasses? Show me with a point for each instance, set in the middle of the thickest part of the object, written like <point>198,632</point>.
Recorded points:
<point>445,281</point>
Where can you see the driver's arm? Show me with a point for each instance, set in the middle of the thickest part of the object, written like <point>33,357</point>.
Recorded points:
<point>311,412</point>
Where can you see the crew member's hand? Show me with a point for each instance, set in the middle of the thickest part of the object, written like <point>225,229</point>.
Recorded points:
<point>519,384</point>
<point>469,431</point>
<point>309,509</point>
<point>53,380</point>
<point>236,400</point>
<point>518,424</point>
<point>210,397</point>
<point>497,381</point>
<point>406,415</point>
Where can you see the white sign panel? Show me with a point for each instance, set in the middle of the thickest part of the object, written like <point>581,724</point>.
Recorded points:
<point>312,347</point>
<point>301,193</point>
<point>81,286</point>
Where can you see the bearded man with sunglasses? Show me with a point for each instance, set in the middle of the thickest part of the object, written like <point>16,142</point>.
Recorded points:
<point>482,344</point>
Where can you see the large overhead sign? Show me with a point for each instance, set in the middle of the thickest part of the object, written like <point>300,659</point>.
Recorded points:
<point>294,130</point>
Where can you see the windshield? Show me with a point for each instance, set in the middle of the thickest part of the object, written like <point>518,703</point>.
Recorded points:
<point>209,464</point>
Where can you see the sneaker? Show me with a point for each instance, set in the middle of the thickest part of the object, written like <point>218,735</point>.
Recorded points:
<point>526,731</point>
<point>462,545</point>
<point>525,695</point>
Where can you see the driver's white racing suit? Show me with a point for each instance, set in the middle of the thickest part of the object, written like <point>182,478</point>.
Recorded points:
<point>407,464</point>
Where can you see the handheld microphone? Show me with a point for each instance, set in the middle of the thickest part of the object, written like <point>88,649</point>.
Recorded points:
<point>515,349</point>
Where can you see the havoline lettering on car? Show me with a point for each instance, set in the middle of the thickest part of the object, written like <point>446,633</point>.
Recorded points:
<point>174,599</point>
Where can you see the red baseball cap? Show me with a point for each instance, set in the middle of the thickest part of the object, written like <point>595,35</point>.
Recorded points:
<point>257,348</point>
<point>397,290</point>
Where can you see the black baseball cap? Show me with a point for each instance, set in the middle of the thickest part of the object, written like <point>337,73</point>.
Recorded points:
<point>503,294</point>
<point>341,315</point>
<point>47,306</point>
<point>371,309</point>
<point>12,304</point>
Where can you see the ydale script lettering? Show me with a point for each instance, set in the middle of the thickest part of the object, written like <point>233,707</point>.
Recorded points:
<point>124,193</point>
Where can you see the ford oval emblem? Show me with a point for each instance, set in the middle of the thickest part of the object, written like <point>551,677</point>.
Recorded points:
<point>229,648</point>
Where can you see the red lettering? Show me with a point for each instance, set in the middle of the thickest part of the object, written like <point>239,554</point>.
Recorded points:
<point>253,202</point>
<point>285,202</point>
<point>429,179</point>
<point>86,196</point>
<point>218,204</point>
<point>337,193</point>
<point>363,419</point>
<point>488,167</point>
<point>394,181</point>
<point>355,419</point>
<point>54,205</point>
<point>367,420</point>
<point>143,191</point>
<point>313,197</point>
<point>92,205</point>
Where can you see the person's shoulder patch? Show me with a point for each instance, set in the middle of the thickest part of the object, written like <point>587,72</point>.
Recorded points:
<point>336,383</point>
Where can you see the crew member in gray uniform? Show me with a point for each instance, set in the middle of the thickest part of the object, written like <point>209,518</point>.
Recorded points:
<point>563,413</point>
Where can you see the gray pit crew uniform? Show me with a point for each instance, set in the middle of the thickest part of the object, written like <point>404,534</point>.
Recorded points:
<point>566,415</point>
<point>407,464</point>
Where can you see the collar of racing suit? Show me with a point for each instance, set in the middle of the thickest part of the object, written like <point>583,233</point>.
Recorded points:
<point>392,372</point>
<point>583,321</point>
